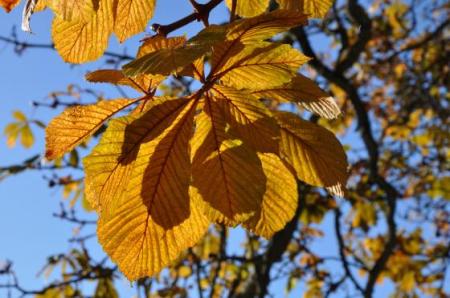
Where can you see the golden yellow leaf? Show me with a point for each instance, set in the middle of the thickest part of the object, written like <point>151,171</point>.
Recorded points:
<point>131,17</point>
<point>306,93</point>
<point>27,138</point>
<point>11,132</point>
<point>110,164</point>
<point>249,8</point>
<point>195,70</point>
<point>77,123</point>
<point>79,41</point>
<point>226,172</point>
<point>252,121</point>
<point>165,61</point>
<point>316,155</point>
<point>264,26</point>
<point>41,5</point>
<point>256,66</point>
<point>154,219</point>
<point>159,42</point>
<point>314,8</point>
<point>68,10</point>
<point>280,199</point>
<point>8,5</point>
<point>116,77</point>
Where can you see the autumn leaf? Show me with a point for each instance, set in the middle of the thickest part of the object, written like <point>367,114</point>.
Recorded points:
<point>256,66</point>
<point>20,128</point>
<point>131,17</point>
<point>110,164</point>
<point>73,10</point>
<point>249,8</point>
<point>79,41</point>
<point>8,5</point>
<point>264,26</point>
<point>313,8</point>
<point>141,83</point>
<point>144,228</point>
<point>226,172</point>
<point>252,121</point>
<point>81,32</point>
<point>306,93</point>
<point>316,155</point>
<point>165,61</point>
<point>78,123</point>
<point>280,198</point>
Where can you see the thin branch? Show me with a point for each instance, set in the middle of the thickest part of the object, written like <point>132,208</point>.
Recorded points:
<point>21,46</point>
<point>201,13</point>
<point>348,272</point>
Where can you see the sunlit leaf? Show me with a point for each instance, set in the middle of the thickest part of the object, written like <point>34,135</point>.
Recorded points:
<point>77,123</point>
<point>316,155</point>
<point>314,8</point>
<point>306,93</point>
<point>226,172</point>
<point>79,41</point>
<point>280,198</point>
<point>154,220</point>
<point>249,8</point>
<point>250,118</point>
<point>131,17</point>
<point>256,66</point>
<point>8,5</point>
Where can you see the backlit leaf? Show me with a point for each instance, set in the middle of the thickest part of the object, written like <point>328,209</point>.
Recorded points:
<point>316,155</point>
<point>131,17</point>
<point>79,41</point>
<point>226,172</point>
<point>264,26</point>
<point>8,5</point>
<point>258,66</point>
<point>77,123</point>
<point>306,93</point>
<point>109,166</point>
<point>249,117</point>
<point>165,61</point>
<point>141,83</point>
<point>280,199</point>
<point>314,8</point>
<point>154,220</point>
<point>249,8</point>
<point>68,10</point>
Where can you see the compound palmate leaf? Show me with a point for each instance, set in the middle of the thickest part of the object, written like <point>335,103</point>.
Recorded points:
<point>77,123</point>
<point>160,175</point>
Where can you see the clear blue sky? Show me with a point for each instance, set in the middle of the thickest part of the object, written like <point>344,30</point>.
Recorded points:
<point>28,232</point>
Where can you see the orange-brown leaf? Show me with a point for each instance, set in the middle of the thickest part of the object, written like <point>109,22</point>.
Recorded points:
<point>77,123</point>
